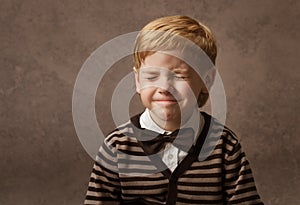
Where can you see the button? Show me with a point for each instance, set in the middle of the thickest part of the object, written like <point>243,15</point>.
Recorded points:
<point>168,146</point>
<point>170,156</point>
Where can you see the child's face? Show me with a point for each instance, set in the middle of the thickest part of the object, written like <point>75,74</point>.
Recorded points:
<point>168,87</point>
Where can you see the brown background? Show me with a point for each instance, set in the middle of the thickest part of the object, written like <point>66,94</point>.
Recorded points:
<point>44,44</point>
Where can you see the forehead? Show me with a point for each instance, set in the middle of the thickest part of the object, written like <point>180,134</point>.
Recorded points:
<point>166,60</point>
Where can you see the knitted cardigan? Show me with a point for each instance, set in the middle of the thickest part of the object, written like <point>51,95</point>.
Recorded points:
<point>215,171</point>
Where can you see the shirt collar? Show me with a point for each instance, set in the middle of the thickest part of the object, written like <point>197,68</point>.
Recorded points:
<point>147,122</point>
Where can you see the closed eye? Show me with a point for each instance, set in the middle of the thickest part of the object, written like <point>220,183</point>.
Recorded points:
<point>180,77</point>
<point>151,77</point>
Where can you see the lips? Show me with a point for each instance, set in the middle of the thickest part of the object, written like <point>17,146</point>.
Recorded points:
<point>166,101</point>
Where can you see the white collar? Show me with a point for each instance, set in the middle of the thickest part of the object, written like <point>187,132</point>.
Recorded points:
<point>147,122</point>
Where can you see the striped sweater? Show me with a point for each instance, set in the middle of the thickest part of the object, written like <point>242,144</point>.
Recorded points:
<point>215,171</point>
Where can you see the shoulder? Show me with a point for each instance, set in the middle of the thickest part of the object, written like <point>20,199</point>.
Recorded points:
<point>230,140</point>
<point>220,134</point>
<point>123,134</point>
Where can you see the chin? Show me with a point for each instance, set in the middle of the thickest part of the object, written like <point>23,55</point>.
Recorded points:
<point>166,115</point>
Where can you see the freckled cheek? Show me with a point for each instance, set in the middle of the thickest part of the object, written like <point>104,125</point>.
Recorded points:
<point>146,96</point>
<point>185,91</point>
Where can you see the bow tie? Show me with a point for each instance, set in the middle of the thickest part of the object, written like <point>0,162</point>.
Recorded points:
<point>182,139</point>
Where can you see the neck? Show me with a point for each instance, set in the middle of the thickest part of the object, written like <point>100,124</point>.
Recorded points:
<point>169,124</point>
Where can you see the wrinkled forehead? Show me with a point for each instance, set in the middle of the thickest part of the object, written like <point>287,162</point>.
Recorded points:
<point>193,56</point>
<point>164,59</point>
<point>159,70</point>
<point>184,60</point>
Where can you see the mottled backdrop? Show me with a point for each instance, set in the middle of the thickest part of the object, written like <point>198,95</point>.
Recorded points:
<point>45,42</point>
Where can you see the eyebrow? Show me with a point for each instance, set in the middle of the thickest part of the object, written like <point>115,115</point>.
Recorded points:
<point>150,71</point>
<point>155,70</point>
<point>181,70</point>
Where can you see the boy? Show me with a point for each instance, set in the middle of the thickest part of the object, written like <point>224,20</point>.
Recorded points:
<point>155,157</point>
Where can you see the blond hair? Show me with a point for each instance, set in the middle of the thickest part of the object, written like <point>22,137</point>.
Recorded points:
<point>161,33</point>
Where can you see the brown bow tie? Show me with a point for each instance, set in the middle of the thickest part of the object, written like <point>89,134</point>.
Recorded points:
<point>182,139</point>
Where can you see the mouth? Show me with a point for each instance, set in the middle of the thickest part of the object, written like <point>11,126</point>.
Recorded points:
<point>166,101</point>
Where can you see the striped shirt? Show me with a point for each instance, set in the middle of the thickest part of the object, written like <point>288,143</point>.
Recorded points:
<point>215,170</point>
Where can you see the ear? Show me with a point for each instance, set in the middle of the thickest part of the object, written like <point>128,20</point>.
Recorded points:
<point>137,80</point>
<point>209,79</point>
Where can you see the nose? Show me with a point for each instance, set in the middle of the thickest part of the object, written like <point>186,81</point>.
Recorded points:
<point>165,84</point>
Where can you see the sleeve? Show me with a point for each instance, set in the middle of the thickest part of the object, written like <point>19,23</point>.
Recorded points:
<point>239,186</point>
<point>104,184</point>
